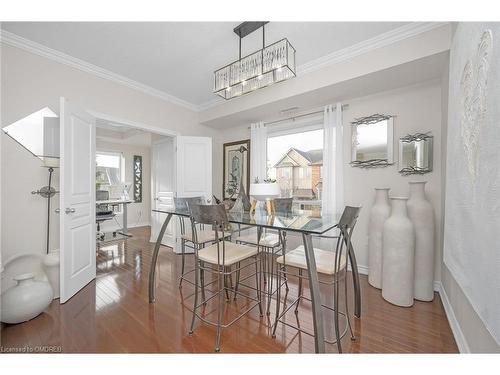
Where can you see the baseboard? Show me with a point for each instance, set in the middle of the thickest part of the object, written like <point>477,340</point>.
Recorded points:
<point>363,270</point>
<point>463,347</point>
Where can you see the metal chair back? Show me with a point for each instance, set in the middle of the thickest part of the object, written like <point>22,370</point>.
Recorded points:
<point>349,217</point>
<point>346,226</point>
<point>182,204</point>
<point>213,214</point>
<point>216,216</point>
<point>102,195</point>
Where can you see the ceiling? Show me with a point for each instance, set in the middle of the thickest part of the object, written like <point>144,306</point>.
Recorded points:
<point>114,132</point>
<point>179,58</point>
<point>415,72</point>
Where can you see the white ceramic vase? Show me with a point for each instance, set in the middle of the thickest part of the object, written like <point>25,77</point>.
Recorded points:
<point>398,251</point>
<point>421,214</point>
<point>26,300</point>
<point>378,215</point>
<point>51,268</point>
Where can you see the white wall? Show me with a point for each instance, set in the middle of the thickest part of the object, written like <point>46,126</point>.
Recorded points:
<point>417,109</point>
<point>30,82</point>
<point>139,214</point>
<point>24,216</point>
<point>470,330</point>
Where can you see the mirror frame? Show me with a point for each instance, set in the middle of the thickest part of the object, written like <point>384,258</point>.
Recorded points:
<point>410,170</point>
<point>369,120</point>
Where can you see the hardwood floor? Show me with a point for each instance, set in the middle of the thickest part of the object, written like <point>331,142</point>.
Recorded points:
<point>112,315</point>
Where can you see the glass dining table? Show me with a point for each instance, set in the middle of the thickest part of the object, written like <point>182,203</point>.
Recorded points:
<point>303,222</point>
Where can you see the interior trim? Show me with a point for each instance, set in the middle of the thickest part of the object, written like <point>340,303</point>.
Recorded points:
<point>401,33</point>
<point>15,40</point>
<point>462,344</point>
<point>379,41</point>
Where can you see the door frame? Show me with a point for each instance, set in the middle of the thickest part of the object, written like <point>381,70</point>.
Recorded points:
<point>146,127</point>
<point>135,124</point>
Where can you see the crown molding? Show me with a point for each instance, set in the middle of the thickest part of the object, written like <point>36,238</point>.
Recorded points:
<point>390,37</point>
<point>396,35</point>
<point>379,41</point>
<point>15,40</point>
<point>211,103</point>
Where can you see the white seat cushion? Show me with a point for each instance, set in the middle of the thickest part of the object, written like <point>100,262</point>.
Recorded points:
<point>325,260</point>
<point>205,235</point>
<point>267,240</point>
<point>234,253</point>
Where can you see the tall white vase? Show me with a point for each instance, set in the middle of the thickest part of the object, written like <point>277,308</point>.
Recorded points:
<point>379,214</point>
<point>421,214</point>
<point>398,252</point>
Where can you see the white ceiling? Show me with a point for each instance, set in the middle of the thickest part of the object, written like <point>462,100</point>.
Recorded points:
<point>179,58</point>
<point>113,132</point>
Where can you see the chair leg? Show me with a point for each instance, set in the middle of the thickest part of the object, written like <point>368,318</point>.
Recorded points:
<point>202,283</point>
<point>271,277</point>
<point>182,263</point>
<point>226,284</point>
<point>237,280</point>
<point>264,265</point>
<point>196,270</point>
<point>283,251</point>
<point>300,292</point>
<point>258,286</point>
<point>278,304</point>
<point>220,306</point>
<point>336,312</point>
<point>347,307</point>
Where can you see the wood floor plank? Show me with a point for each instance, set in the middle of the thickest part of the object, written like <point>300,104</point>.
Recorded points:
<point>112,315</point>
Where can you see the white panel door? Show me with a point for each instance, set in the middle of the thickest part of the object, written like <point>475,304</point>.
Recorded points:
<point>77,199</point>
<point>163,188</point>
<point>194,167</point>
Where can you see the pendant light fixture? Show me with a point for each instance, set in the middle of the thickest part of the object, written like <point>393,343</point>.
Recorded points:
<point>271,64</point>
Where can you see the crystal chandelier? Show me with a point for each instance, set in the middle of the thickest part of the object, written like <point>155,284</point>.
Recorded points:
<point>271,64</point>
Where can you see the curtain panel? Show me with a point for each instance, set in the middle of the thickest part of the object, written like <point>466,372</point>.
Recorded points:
<point>258,152</point>
<point>333,161</point>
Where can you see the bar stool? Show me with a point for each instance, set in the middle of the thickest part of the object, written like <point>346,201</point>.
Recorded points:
<point>204,235</point>
<point>272,244</point>
<point>328,263</point>
<point>222,259</point>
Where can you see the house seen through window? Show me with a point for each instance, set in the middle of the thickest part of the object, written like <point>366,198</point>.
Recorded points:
<point>295,161</point>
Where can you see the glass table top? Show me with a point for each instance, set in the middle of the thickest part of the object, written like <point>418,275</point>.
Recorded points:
<point>303,221</point>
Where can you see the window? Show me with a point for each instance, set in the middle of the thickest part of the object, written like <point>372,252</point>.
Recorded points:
<point>294,160</point>
<point>109,170</point>
<point>301,172</point>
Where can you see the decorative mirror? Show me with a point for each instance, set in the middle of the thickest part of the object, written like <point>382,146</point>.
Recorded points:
<point>137,178</point>
<point>372,141</point>
<point>415,154</point>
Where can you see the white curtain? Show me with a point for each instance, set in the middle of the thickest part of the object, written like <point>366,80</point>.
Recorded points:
<point>333,161</point>
<point>258,152</point>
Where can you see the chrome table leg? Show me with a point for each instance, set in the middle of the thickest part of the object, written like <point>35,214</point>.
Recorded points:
<point>152,268</point>
<point>319,335</point>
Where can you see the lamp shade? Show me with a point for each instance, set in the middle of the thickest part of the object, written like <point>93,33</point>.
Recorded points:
<point>264,191</point>
<point>50,162</point>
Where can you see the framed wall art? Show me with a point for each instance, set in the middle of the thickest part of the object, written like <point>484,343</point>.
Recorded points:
<point>236,168</point>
